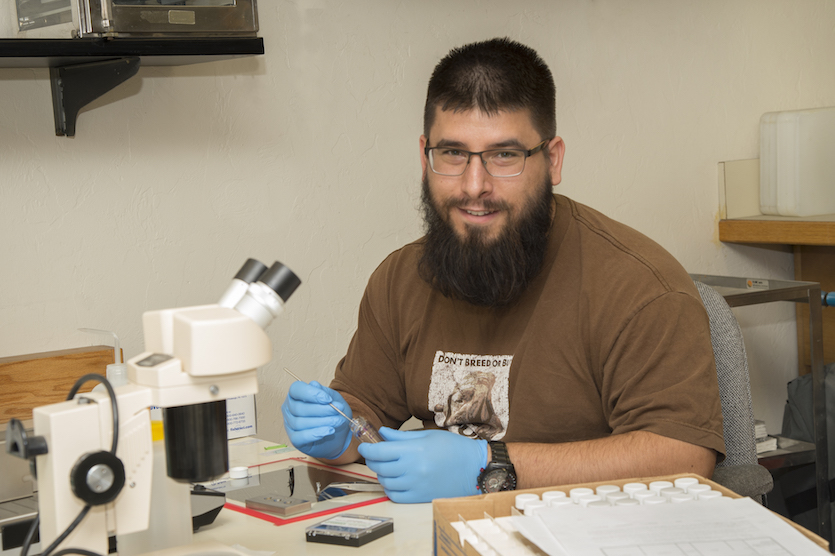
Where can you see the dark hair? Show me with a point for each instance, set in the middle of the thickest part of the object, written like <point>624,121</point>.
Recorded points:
<point>498,74</point>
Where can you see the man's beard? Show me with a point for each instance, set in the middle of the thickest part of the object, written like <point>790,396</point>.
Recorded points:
<point>488,273</point>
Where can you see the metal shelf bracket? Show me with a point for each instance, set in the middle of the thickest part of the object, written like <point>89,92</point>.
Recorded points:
<point>75,86</point>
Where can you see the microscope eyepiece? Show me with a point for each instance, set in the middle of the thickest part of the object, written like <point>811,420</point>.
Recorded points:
<point>281,280</point>
<point>251,271</point>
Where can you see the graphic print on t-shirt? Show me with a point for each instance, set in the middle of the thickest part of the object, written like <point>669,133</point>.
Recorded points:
<point>469,393</point>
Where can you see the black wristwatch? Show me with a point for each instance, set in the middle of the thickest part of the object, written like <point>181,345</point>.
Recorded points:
<point>499,473</point>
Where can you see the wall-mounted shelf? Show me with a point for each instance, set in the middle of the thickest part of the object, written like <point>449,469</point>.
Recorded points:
<point>785,230</point>
<point>82,70</point>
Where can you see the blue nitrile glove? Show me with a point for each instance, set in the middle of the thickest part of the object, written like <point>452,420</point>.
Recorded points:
<point>314,427</point>
<point>419,466</point>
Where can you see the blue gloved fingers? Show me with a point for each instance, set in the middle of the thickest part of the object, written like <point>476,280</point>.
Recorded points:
<point>314,427</point>
<point>299,415</point>
<point>311,400</point>
<point>308,436</point>
<point>336,399</point>
<point>419,466</point>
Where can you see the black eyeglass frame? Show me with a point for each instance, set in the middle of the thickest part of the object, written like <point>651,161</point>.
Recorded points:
<point>528,153</point>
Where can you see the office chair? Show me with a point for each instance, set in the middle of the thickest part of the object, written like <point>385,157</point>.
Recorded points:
<point>739,471</point>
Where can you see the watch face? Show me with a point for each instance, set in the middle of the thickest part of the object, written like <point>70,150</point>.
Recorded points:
<point>497,480</point>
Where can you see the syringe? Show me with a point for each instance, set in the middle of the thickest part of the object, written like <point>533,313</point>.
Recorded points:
<point>360,427</point>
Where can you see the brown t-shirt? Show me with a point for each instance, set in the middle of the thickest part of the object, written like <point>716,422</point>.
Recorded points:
<point>610,337</point>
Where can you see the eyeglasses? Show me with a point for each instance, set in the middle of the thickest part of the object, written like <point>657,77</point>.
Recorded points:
<point>499,163</point>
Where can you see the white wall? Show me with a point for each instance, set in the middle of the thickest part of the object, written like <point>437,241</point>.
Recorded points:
<point>309,155</point>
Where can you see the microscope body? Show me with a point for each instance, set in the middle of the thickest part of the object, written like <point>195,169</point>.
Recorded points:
<point>195,358</point>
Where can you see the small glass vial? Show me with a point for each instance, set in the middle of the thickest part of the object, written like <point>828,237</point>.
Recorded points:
<point>364,430</point>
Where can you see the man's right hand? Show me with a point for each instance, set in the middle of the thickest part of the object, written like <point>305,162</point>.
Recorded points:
<point>315,427</point>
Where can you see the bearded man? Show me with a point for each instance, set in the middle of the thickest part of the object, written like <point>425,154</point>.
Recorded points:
<point>594,337</point>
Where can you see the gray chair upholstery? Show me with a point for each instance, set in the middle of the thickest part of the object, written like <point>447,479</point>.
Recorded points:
<point>739,471</point>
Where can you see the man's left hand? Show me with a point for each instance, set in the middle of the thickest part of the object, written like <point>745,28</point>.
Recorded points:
<point>419,466</point>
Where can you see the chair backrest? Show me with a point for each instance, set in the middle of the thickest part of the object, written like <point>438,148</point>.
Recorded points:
<point>734,383</point>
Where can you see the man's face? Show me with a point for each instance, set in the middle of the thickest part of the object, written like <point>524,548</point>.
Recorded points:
<point>476,203</point>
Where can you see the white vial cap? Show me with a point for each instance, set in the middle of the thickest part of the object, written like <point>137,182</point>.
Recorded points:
<point>238,473</point>
<point>534,505</point>
<point>696,489</point>
<point>553,495</point>
<point>598,504</point>
<point>603,490</point>
<point>576,493</point>
<point>683,497</point>
<point>632,488</point>
<point>587,499</point>
<point>523,499</point>
<point>709,495</point>
<point>627,502</point>
<point>652,500</point>
<point>613,497</point>
<point>641,495</point>
<point>657,486</point>
<point>669,492</point>
<point>685,482</point>
<point>560,502</point>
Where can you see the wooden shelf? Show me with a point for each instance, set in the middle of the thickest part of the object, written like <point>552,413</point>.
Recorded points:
<point>779,230</point>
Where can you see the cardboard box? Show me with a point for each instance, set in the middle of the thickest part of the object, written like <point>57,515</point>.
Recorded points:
<point>445,511</point>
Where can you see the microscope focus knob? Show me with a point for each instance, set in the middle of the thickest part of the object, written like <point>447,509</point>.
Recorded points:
<point>97,478</point>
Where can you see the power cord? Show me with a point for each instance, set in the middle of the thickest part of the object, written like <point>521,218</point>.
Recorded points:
<point>24,550</point>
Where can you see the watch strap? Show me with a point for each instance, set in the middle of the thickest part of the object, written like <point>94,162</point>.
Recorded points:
<point>498,453</point>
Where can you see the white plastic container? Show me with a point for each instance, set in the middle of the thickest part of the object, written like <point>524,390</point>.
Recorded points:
<point>797,163</point>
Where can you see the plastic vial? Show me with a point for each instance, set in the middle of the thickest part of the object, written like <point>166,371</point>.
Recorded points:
<point>576,493</point>
<point>627,502</point>
<point>642,495</point>
<point>685,482</point>
<point>697,489</point>
<point>534,505</point>
<point>658,486</point>
<point>669,492</point>
<point>682,497</point>
<point>560,502</point>
<point>553,495</point>
<point>632,488</point>
<point>613,497</point>
<point>653,500</point>
<point>598,504</point>
<point>709,495</point>
<point>584,501</point>
<point>603,490</point>
<point>522,500</point>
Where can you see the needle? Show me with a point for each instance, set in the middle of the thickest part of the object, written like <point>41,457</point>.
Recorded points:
<point>330,404</point>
